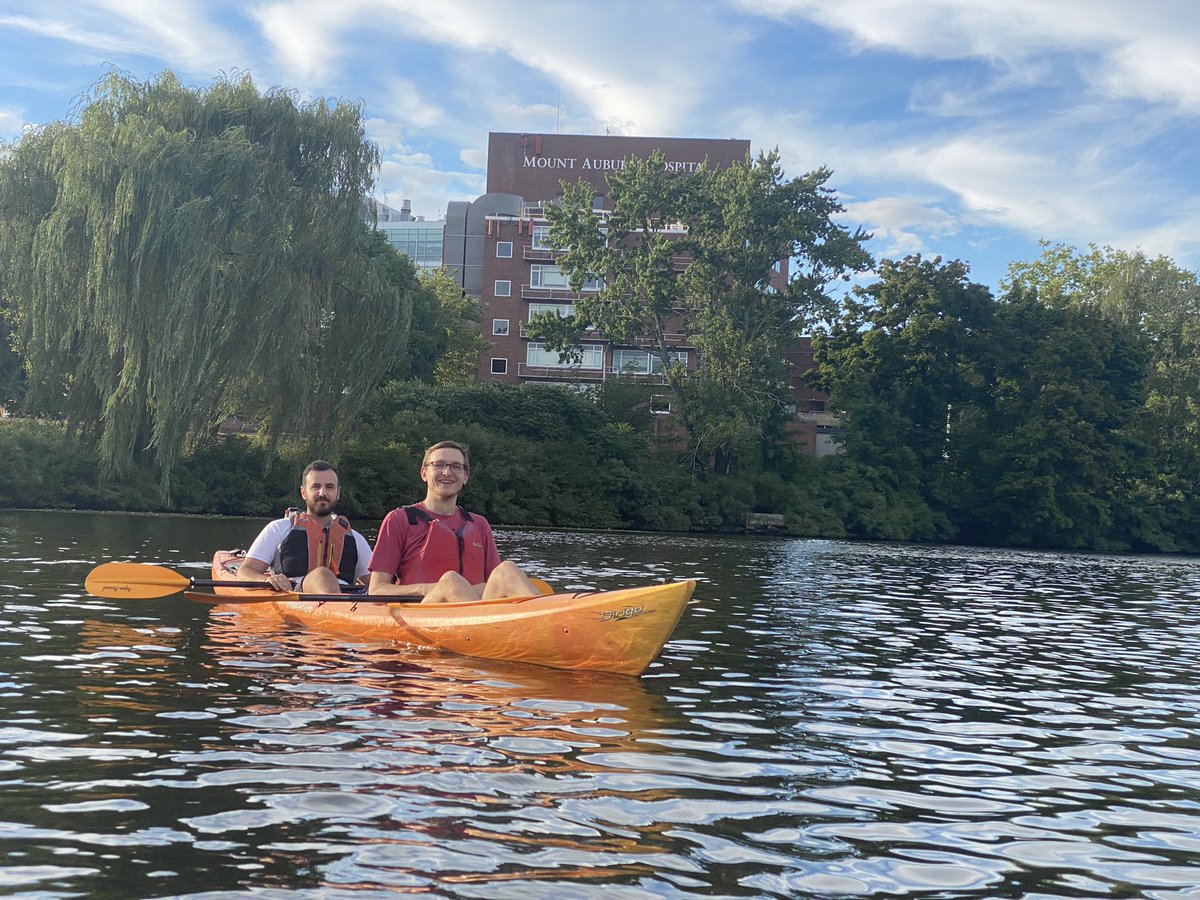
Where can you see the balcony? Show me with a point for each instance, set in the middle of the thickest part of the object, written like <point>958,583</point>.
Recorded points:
<point>559,373</point>
<point>551,294</point>
<point>820,418</point>
<point>588,335</point>
<point>539,254</point>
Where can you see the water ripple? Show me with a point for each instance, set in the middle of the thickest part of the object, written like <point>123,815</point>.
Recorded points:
<point>830,720</point>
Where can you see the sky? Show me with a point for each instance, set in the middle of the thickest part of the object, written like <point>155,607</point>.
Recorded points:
<point>966,129</point>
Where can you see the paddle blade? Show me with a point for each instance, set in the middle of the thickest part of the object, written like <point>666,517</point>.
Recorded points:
<point>543,586</point>
<point>136,581</point>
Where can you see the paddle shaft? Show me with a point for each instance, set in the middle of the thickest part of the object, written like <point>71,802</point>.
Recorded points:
<point>291,596</point>
<point>127,580</point>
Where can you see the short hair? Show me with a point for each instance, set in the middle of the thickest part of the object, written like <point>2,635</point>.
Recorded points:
<point>317,465</point>
<point>448,445</point>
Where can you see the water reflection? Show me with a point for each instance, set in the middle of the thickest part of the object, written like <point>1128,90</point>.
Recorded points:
<point>830,720</point>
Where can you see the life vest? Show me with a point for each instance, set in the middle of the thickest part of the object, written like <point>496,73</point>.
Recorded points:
<point>310,544</point>
<point>445,550</point>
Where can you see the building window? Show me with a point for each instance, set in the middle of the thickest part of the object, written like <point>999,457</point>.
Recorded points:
<point>541,238</point>
<point>499,365</point>
<point>536,354</point>
<point>552,277</point>
<point>504,249</point>
<point>562,310</point>
<point>660,405</point>
<point>503,288</point>
<point>499,326</point>
<point>639,362</point>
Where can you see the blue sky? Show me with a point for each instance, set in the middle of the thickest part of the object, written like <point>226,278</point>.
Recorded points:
<point>962,128</point>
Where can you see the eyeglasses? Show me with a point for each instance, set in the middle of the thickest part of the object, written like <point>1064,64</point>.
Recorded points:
<point>456,468</point>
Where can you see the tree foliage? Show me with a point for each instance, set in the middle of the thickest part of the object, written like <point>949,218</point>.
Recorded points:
<point>1160,302</point>
<point>445,343</point>
<point>178,255</point>
<point>12,374</point>
<point>695,257</point>
<point>901,364</point>
<point>1010,422</point>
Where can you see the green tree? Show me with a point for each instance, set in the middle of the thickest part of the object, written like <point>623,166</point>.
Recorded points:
<point>694,257</point>
<point>901,364</point>
<point>446,342</point>
<point>12,375</point>
<point>177,255</point>
<point>1048,458</point>
<point>1161,302</point>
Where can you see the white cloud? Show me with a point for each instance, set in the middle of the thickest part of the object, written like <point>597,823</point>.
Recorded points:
<point>415,178</point>
<point>405,102</point>
<point>63,29</point>
<point>1147,50</point>
<point>304,35</point>
<point>900,226</point>
<point>611,58</point>
<point>474,157</point>
<point>11,122</point>
<point>181,31</point>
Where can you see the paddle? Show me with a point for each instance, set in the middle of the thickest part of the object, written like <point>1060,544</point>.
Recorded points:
<point>142,581</point>
<point>291,596</point>
<point>199,597</point>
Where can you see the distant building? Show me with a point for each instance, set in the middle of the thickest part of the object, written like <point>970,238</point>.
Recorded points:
<point>418,239</point>
<point>498,248</point>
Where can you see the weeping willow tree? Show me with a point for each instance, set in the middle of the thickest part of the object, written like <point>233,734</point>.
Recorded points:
<point>173,256</point>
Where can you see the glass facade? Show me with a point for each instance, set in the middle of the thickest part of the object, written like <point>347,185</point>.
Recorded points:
<point>419,241</point>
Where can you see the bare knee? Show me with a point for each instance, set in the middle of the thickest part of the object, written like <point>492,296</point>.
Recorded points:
<point>507,580</point>
<point>321,580</point>
<point>451,588</point>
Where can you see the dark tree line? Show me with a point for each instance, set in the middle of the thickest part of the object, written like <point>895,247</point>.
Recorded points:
<point>1065,413</point>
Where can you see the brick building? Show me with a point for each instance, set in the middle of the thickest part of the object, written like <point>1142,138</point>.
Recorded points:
<point>498,247</point>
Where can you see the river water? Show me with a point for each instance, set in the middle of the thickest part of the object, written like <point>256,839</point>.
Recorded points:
<point>830,719</point>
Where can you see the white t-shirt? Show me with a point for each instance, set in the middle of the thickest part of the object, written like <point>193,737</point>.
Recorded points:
<point>266,548</point>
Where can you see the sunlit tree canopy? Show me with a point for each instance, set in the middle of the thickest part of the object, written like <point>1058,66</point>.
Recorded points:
<point>172,256</point>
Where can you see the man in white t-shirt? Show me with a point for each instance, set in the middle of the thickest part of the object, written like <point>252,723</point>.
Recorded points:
<point>314,551</point>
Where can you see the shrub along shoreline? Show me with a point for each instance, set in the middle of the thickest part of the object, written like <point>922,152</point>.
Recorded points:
<point>540,458</point>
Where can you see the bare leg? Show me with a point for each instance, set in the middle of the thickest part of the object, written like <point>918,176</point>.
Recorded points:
<point>320,581</point>
<point>507,580</point>
<point>451,588</point>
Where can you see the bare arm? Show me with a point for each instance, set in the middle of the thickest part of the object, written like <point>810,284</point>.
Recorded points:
<point>256,570</point>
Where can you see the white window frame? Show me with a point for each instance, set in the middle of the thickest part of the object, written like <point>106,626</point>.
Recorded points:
<point>536,354</point>
<point>540,273</point>
<point>504,245</point>
<point>502,288</point>
<point>503,369</point>
<point>541,238</point>
<point>500,327</point>
<point>564,310</point>
<point>651,363</point>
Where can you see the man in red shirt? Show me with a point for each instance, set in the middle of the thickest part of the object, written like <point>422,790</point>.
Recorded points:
<point>437,548</point>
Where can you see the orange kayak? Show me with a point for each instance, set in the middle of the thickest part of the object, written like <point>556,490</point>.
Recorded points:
<point>610,631</point>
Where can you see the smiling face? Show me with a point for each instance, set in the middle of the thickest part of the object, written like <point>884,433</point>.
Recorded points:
<point>445,473</point>
<point>320,492</point>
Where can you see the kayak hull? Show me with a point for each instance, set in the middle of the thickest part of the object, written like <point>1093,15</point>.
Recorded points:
<point>610,631</point>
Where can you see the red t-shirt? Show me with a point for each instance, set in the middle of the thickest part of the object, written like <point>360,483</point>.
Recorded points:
<point>398,549</point>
